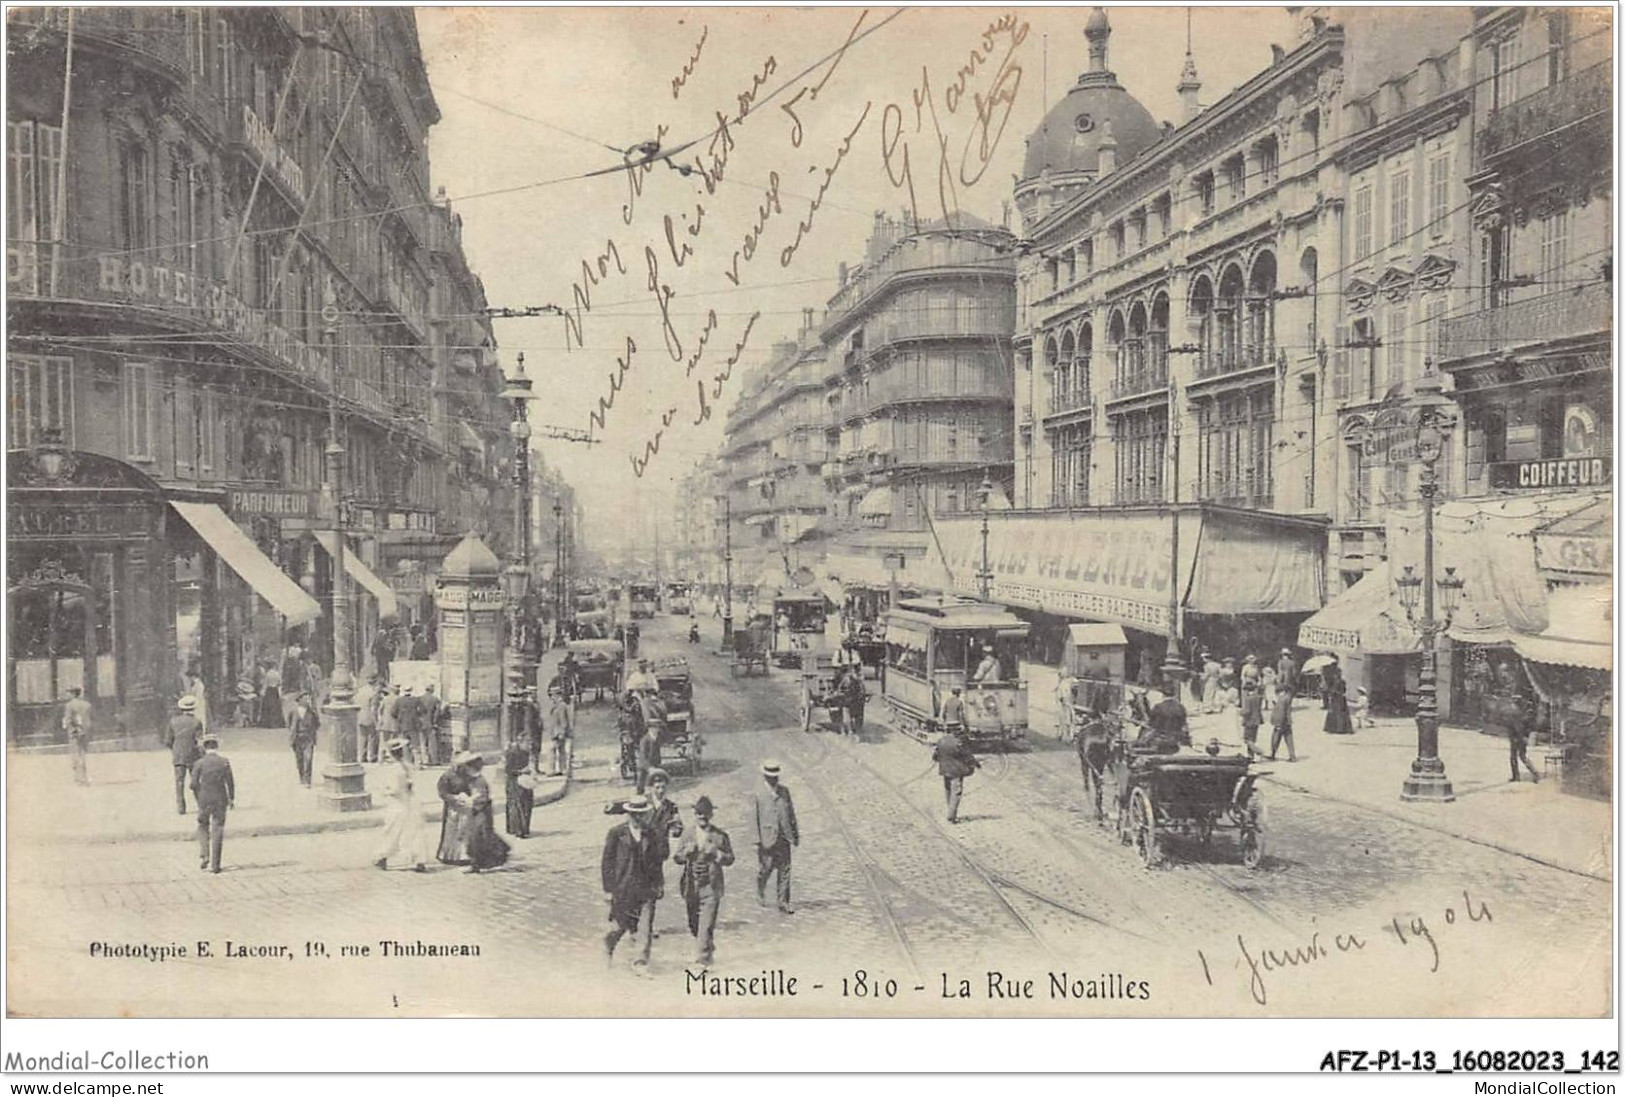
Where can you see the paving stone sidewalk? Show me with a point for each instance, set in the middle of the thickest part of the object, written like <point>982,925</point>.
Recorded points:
<point>131,795</point>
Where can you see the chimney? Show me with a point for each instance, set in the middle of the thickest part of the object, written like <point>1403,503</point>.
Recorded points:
<point>840,273</point>
<point>806,319</point>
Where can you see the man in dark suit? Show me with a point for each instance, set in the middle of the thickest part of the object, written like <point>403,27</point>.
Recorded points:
<point>429,710</point>
<point>409,723</point>
<point>629,871</point>
<point>774,817</point>
<point>181,737</point>
<point>303,723</point>
<point>955,762</point>
<point>216,792</point>
<point>703,853</point>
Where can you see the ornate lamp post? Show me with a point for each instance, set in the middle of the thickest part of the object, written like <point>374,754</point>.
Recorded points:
<point>558,570</point>
<point>984,577</point>
<point>1427,779</point>
<point>516,577</point>
<point>727,573</point>
<point>344,780</point>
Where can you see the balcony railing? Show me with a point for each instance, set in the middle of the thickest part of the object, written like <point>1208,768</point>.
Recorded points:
<point>1581,95</point>
<point>191,300</point>
<point>1253,491</point>
<point>927,253</point>
<point>1074,396</point>
<point>1150,378</point>
<point>1233,359</point>
<point>1566,314</point>
<point>152,37</point>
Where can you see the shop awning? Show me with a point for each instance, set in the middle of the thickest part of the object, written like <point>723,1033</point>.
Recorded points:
<point>1119,566</point>
<point>1580,629</point>
<point>876,504</point>
<point>357,569</point>
<point>240,553</point>
<point>1097,636</point>
<point>1366,619</point>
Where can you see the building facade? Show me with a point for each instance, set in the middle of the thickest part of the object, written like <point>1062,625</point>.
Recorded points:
<point>219,228</point>
<point>918,395</point>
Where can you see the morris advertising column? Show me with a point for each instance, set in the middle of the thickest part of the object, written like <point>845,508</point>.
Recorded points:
<point>469,609</point>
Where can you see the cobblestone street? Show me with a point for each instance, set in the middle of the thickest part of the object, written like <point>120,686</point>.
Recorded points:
<point>1027,886</point>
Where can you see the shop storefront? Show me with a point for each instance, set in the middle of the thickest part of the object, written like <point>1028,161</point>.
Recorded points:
<point>1245,579</point>
<point>87,595</point>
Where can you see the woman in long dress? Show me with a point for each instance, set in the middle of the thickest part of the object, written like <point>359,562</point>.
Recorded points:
<point>271,713</point>
<point>485,848</point>
<point>1337,701</point>
<point>405,836</point>
<point>519,764</point>
<point>457,800</point>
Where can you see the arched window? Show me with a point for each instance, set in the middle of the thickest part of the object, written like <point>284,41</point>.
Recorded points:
<point>1201,324</point>
<point>1227,316</point>
<point>1115,340</point>
<point>1156,341</point>
<point>1051,378</point>
<point>1081,365</point>
<point>1065,379</point>
<point>1135,345</point>
<point>1259,337</point>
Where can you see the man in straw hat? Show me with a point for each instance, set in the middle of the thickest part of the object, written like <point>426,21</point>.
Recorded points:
<point>774,816</point>
<point>303,722</point>
<point>215,792</point>
<point>629,872</point>
<point>181,737</point>
<point>406,838</point>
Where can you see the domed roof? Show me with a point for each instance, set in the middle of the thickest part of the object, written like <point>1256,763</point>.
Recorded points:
<point>1096,110</point>
<point>471,559</point>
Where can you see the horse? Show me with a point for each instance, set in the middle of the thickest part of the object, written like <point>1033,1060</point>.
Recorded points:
<point>1094,737</point>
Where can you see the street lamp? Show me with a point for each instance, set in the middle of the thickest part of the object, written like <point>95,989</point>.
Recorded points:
<point>343,777</point>
<point>727,573</point>
<point>984,578</point>
<point>1427,779</point>
<point>516,577</point>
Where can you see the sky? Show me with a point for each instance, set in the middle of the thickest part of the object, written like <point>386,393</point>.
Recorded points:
<point>534,98</point>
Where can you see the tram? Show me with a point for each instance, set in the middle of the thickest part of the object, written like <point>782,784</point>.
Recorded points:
<point>679,600</point>
<point>643,598</point>
<point>799,620</point>
<point>935,644</point>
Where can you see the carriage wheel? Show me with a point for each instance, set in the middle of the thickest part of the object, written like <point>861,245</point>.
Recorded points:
<point>1142,821</point>
<point>1254,822</point>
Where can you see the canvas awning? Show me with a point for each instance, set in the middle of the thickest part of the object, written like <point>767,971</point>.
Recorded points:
<point>1579,632</point>
<point>1097,636</point>
<point>357,569</point>
<point>244,557</point>
<point>876,503</point>
<point>1365,619</point>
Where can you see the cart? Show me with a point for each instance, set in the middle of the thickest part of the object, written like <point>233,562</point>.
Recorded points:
<point>598,666</point>
<point>675,684</point>
<point>751,646</point>
<point>1191,793</point>
<point>820,689</point>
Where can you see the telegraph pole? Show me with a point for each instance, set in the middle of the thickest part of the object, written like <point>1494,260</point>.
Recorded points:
<point>728,573</point>
<point>344,781</point>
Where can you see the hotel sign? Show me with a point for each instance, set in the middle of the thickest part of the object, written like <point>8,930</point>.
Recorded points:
<point>93,521</point>
<point>1550,473</point>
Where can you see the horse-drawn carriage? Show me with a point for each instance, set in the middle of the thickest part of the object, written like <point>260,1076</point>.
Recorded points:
<point>752,646</point>
<point>799,619</point>
<point>675,685</point>
<point>1191,793</point>
<point>822,679</point>
<point>599,664</point>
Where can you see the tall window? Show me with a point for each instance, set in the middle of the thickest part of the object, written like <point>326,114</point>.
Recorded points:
<point>35,153</point>
<point>1433,312</point>
<point>1362,222</point>
<point>1396,347</point>
<point>1399,206</point>
<point>1557,48</point>
<point>1438,193</point>
<point>1554,248</point>
<point>1269,162</point>
<point>186,215</point>
<point>1204,192</point>
<point>1142,447</point>
<point>41,398</point>
<point>139,410</point>
<point>1340,365</point>
<point>1492,265</point>
<point>205,414</point>
<point>135,196</point>
<point>1504,73</point>
<point>224,47</point>
<point>1363,345</point>
<point>1356,499</point>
